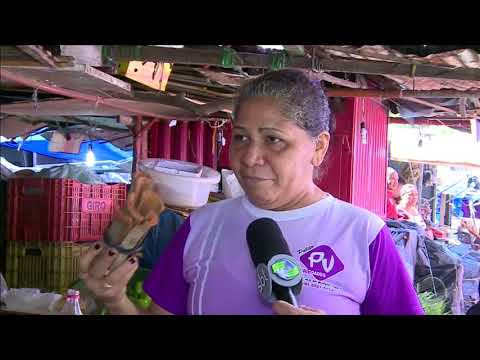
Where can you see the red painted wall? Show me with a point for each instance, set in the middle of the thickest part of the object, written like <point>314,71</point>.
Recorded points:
<point>370,160</point>
<point>356,172</point>
<point>189,141</point>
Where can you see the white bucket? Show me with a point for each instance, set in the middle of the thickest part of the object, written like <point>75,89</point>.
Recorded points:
<point>186,188</point>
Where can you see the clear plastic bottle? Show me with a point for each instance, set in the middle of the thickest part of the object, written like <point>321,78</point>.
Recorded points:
<point>72,303</point>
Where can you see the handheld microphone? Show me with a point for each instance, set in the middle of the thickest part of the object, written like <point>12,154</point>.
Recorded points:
<point>279,274</point>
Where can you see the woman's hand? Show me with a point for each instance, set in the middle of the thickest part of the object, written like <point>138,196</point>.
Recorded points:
<point>143,206</point>
<point>109,287</point>
<point>105,272</point>
<point>284,308</point>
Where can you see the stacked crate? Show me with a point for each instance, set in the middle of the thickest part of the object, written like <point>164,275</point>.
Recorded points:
<point>50,223</point>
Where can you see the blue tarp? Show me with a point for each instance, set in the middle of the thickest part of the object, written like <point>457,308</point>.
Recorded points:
<point>102,150</point>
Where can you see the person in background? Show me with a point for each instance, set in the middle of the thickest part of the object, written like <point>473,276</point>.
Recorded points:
<point>407,209</point>
<point>426,212</point>
<point>470,227</point>
<point>392,193</point>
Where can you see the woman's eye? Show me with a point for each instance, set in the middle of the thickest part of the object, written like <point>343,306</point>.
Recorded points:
<point>273,140</point>
<point>239,138</point>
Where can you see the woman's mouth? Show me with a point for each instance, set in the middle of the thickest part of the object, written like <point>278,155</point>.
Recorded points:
<point>253,179</point>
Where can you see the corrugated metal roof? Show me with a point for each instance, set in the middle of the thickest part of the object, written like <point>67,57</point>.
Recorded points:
<point>464,58</point>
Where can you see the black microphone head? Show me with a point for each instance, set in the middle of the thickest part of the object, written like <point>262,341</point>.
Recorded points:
<point>265,240</point>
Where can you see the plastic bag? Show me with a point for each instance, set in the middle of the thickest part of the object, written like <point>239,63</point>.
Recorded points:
<point>29,300</point>
<point>69,171</point>
<point>231,186</point>
<point>3,288</point>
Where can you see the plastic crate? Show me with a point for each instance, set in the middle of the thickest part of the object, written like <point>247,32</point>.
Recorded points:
<point>50,266</point>
<point>60,210</point>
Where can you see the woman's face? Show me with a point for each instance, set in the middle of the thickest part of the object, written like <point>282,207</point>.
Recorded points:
<point>412,197</point>
<point>271,156</point>
<point>392,183</point>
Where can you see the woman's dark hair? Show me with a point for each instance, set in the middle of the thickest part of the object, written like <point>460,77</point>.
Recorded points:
<point>300,98</point>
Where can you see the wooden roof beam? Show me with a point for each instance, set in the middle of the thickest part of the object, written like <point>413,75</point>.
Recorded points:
<point>227,104</point>
<point>38,54</point>
<point>402,94</point>
<point>213,57</point>
<point>431,105</point>
<point>335,80</point>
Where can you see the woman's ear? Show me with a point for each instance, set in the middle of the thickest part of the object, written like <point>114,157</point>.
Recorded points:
<point>321,146</point>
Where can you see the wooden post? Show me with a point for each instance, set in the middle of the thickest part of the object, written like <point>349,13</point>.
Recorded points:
<point>448,210</point>
<point>442,208</point>
<point>144,143</point>
<point>420,186</point>
<point>434,204</point>
<point>137,144</point>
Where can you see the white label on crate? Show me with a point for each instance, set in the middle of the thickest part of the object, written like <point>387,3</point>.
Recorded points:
<point>97,206</point>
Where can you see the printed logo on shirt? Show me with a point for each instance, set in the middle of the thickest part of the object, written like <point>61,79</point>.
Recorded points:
<point>322,262</point>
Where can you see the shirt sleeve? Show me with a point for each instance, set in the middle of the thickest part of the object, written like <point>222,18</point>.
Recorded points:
<point>391,291</point>
<point>166,284</point>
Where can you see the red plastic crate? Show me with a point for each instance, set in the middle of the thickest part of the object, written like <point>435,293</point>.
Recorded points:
<point>60,210</point>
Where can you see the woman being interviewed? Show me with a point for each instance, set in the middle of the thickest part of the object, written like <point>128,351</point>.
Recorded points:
<point>349,261</point>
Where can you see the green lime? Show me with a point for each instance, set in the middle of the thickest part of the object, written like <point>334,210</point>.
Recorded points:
<point>145,302</point>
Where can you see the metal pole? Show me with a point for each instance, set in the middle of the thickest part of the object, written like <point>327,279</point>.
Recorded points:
<point>137,144</point>
<point>420,186</point>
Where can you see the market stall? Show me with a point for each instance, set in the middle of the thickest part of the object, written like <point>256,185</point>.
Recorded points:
<point>171,109</point>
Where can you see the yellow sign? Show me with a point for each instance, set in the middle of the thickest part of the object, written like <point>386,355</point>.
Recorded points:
<point>151,74</point>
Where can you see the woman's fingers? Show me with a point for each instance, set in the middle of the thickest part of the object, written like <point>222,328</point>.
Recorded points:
<point>122,275</point>
<point>145,186</point>
<point>87,258</point>
<point>141,181</point>
<point>284,308</point>
<point>149,200</point>
<point>101,264</point>
<point>132,209</point>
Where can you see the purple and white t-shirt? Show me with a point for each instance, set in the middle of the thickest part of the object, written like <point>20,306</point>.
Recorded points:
<point>349,261</point>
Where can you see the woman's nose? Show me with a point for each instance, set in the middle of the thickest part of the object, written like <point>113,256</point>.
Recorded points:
<point>252,156</point>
